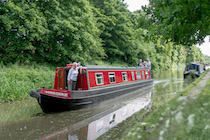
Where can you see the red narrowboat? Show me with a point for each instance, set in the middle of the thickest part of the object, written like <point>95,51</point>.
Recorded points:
<point>94,84</point>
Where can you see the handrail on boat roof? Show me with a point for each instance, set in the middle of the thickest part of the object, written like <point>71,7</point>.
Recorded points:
<point>193,63</point>
<point>106,67</point>
<point>102,67</point>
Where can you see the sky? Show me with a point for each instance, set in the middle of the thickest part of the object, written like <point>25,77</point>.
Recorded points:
<point>134,5</point>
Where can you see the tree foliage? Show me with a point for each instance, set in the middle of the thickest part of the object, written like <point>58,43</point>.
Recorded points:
<point>206,58</point>
<point>194,54</point>
<point>185,22</point>
<point>57,32</point>
<point>49,31</point>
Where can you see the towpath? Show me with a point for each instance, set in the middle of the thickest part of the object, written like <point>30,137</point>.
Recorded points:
<point>197,89</point>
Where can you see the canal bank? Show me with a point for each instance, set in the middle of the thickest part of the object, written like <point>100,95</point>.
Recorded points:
<point>184,117</point>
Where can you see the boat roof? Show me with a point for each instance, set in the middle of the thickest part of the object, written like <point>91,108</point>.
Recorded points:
<point>194,63</point>
<point>99,67</point>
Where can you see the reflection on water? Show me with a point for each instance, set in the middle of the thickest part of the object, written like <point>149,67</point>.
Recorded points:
<point>88,129</point>
<point>90,123</point>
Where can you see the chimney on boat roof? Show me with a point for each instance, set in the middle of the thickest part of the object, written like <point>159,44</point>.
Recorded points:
<point>69,65</point>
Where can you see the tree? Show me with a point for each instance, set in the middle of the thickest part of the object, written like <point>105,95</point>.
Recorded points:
<point>206,58</point>
<point>185,22</point>
<point>49,31</point>
<point>194,54</point>
<point>57,31</point>
<point>117,30</point>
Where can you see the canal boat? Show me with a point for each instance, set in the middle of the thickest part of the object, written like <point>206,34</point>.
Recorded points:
<point>194,69</point>
<point>94,84</point>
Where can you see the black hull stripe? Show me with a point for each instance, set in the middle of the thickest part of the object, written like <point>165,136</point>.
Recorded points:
<point>98,93</point>
<point>92,92</point>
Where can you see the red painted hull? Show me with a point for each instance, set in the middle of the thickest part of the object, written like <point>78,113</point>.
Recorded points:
<point>90,97</point>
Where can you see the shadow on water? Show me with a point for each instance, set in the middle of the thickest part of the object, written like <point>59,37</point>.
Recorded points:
<point>25,120</point>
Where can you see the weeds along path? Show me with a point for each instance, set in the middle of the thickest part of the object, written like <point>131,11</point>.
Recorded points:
<point>195,91</point>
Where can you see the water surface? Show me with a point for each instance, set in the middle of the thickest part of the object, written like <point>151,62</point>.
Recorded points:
<point>25,120</point>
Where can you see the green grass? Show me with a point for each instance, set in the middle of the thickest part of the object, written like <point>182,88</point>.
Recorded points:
<point>17,80</point>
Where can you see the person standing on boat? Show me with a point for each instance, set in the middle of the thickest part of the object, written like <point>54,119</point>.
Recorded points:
<point>140,63</point>
<point>72,76</point>
<point>148,64</point>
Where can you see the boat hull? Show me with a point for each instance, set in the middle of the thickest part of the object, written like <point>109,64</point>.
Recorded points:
<point>81,99</point>
<point>191,74</point>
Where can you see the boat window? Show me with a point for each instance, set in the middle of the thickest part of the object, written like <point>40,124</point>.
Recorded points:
<point>99,126</point>
<point>197,68</point>
<point>192,67</point>
<point>99,79</point>
<point>147,74</point>
<point>112,78</point>
<point>112,119</point>
<point>187,67</point>
<point>143,74</point>
<point>138,75</point>
<point>133,77</point>
<point>124,76</point>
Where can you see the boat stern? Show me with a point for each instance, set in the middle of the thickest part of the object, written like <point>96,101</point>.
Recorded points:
<point>64,94</point>
<point>50,92</point>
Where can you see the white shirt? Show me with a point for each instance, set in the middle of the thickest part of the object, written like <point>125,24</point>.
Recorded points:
<point>149,65</point>
<point>72,75</point>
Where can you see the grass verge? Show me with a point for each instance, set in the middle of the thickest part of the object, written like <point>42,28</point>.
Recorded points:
<point>17,80</point>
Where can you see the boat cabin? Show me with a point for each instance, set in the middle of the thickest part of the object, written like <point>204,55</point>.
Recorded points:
<point>100,76</point>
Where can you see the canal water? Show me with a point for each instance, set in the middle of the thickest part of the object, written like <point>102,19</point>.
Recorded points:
<point>25,120</point>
